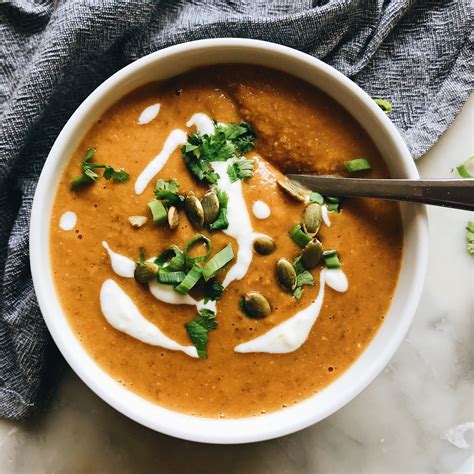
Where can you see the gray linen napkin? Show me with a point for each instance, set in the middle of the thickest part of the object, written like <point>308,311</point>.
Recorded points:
<point>54,53</point>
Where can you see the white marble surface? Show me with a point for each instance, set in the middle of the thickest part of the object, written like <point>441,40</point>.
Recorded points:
<point>400,423</point>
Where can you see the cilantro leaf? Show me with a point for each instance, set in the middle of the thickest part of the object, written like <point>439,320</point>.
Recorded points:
<point>221,221</point>
<point>226,142</point>
<point>167,192</point>
<point>89,176</point>
<point>303,277</point>
<point>212,290</point>
<point>199,328</point>
<point>241,168</point>
<point>119,176</point>
<point>200,169</point>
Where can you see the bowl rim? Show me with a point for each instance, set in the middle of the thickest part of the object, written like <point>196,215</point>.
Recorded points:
<point>221,431</point>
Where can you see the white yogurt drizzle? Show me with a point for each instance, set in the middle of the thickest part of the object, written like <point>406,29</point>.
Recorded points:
<point>121,265</point>
<point>149,114</point>
<point>286,337</point>
<point>121,313</point>
<point>68,220</point>
<point>261,210</point>
<point>337,280</point>
<point>203,123</point>
<point>176,138</point>
<point>240,227</point>
<point>325,215</point>
<point>292,333</point>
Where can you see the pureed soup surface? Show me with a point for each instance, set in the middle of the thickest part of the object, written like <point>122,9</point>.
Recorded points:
<point>297,129</point>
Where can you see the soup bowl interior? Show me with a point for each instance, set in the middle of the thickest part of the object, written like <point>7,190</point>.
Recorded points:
<point>164,65</point>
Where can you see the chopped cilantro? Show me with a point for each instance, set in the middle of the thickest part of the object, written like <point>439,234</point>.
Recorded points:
<point>228,141</point>
<point>89,176</point>
<point>212,290</point>
<point>167,192</point>
<point>198,330</point>
<point>221,221</point>
<point>303,277</point>
<point>240,168</point>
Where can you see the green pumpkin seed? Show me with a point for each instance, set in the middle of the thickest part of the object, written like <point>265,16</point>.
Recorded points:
<point>256,305</point>
<point>264,245</point>
<point>286,274</point>
<point>312,219</point>
<point>173,217</point>
<point>294,189</point>
<point>210,205</point>
<point>194,210</point>
<point>312,254</point>
<point>145,272</point>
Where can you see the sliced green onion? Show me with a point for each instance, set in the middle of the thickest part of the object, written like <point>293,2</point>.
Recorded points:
<point>333,203</point>
<point>470,237</point>
<point>384,105</point>
<point>158,212</point>
<point>190,280</point>
<point>331,260</point>
<point>170,278</point>
<point>317,198</point>
<point>466,169</point>
<point>172,258</point>
<point>218,262</point>
<point>191,243</point>
<point>299,237</point>
<point>359,164</point>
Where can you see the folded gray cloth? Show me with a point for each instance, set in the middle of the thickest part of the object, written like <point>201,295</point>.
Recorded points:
<point>54,53</point>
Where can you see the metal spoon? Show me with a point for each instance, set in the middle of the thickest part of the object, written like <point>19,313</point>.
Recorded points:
<point>456,193</point>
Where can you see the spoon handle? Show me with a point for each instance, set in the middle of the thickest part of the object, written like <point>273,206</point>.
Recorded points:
<point>456,193</point>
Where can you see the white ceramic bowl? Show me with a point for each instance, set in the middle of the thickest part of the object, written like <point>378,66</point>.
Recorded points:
<point>163,65</point>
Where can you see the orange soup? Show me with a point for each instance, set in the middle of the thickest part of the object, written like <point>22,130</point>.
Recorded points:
<point>194,272</point>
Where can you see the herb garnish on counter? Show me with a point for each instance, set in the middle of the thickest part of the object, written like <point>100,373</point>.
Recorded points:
<point>385,105</point>
<point>198,330</point>
<point>89,176</point>
<point>470,237</point>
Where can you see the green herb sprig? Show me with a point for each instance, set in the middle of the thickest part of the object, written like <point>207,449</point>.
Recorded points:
<point>228,141</point>
<point>89,176</point>
<point>198,330</point>
<point>470,237</point>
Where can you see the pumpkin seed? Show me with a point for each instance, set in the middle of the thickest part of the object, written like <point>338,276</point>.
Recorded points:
<point>312,219</point>
<point>210,205</point>
<point>312,254</point>
<point>145,272</point>
<point>294,189</point>
<point>194,210</point>
<point>286,274</point>
<point>264,245</point>
<point>173,217</point>
<point>256,305</point>
<point>137,221</point>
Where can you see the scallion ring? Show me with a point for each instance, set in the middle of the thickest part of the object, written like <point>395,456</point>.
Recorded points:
<point>170,278</point>
<point>359,164</point>
<point>466,169</point>
<point>198,238</point>
<point>331,260</point>
<point>218,262</point>
<point>190,280</point>
<point>299,236</point>
<point>172,259</point>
